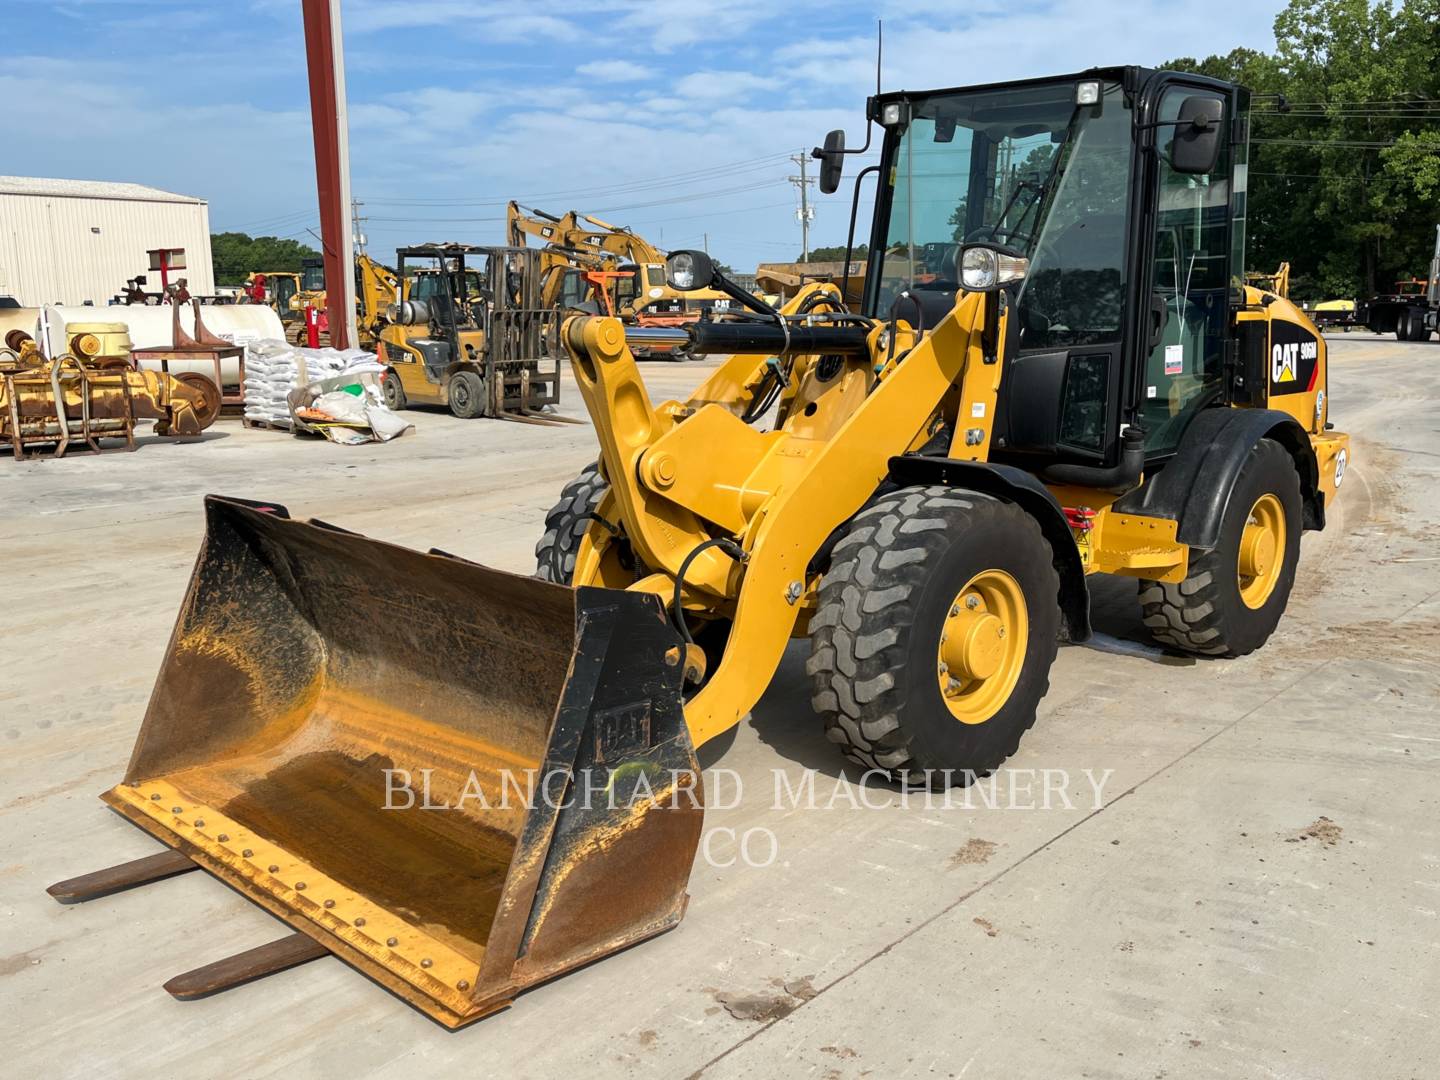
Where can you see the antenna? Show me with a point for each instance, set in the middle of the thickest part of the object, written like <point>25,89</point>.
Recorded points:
<point>879,51</point>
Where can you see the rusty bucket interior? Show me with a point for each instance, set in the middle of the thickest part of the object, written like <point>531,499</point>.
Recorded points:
<point>459,780</point>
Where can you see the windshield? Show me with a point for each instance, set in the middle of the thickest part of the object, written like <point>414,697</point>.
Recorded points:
<point>428,285</point>
<point>1020,167</point>
<point>312,278</point>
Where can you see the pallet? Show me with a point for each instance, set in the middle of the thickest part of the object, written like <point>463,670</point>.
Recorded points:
<point>287,426</point>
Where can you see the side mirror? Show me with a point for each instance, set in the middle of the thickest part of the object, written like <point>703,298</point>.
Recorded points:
<point>832,161</point>
<point>1196,146</point>
<point>689,270</point>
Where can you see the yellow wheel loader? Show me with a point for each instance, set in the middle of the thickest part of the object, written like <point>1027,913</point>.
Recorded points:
<point>1056,371</point>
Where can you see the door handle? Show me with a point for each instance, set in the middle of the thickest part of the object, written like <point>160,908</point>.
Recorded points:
<point>1159,318</point>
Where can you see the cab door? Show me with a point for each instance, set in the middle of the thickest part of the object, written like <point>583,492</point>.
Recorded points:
<point>1184,303</point>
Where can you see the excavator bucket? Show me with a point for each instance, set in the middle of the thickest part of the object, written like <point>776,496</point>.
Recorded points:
<point>460,781</point>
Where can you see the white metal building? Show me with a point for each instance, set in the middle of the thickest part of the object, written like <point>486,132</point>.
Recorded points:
<point>69,241</point>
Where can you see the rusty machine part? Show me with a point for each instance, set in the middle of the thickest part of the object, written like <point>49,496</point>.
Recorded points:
<point>203,346</point>
<point>55,403</point>
<point>207,409</point>
<point>461,797</point>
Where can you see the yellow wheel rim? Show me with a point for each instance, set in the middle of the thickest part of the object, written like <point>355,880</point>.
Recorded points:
<point>1262,551</point>
<point>982,646</point>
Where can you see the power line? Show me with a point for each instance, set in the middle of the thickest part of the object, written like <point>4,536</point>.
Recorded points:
<point>606,191</point>
<point>693,197</point>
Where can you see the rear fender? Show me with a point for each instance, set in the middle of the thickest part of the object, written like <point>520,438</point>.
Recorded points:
<point>1193,488</point>
<point>1016,486</point>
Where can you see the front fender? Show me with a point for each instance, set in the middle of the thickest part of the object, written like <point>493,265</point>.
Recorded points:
<point>1026,491</point>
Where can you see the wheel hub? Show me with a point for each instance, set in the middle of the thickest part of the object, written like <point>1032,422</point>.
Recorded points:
<point>1262,547</point>
<point>977,647</point>
<point>982,646</point>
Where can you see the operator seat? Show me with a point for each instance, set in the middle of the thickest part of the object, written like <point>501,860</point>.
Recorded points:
<point>1074,284</point>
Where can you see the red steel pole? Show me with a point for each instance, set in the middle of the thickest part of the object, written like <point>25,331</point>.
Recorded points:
<point>323,57</point>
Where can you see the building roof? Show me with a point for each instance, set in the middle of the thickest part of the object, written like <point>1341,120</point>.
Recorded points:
<point>88,189</point>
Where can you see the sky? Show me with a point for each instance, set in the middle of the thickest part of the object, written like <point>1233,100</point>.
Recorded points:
<point>677,119</point>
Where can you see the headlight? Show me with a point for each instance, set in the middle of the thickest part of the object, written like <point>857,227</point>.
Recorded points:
<point>1087,93</point>
<point>985,268</point>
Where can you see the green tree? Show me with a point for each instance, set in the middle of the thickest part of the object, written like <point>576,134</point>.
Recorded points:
<point>835,253</point>
<point>236,254</point>
<point>1344,177</point>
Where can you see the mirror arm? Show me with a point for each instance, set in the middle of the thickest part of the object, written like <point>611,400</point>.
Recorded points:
<point>821,153</point>
<point>744,298</point>
<point>850,237</point>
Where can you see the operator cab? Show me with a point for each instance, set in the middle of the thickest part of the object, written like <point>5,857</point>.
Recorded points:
<point>312,275</point>
<point>1124,189</point>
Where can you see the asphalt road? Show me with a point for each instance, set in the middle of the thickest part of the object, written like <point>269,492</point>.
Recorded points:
<point>1253,891</point>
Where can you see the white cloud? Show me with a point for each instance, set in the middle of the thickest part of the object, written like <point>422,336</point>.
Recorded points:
<point>614,71</point>
<point>488,22</point>
<point>719,87</point>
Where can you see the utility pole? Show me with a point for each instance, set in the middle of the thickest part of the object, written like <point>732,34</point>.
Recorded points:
<point>706,243</point>
<point>325,64</point>
<point>806,212</point>
<point>357,226</point>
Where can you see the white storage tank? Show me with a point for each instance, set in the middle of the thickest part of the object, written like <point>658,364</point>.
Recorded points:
<point>152,327</point>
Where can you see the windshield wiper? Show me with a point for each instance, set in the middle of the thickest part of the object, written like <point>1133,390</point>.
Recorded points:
<point>1041,190</point>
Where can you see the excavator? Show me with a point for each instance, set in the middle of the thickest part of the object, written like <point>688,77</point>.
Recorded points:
<point>576,242</point>
<point>291,293</point>
<point>1043,382</point>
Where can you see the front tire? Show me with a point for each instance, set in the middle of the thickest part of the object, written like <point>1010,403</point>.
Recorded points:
<point>566,525</point>
<point>937,624</point>
<point>1233,595</point>
<point>466,395</point>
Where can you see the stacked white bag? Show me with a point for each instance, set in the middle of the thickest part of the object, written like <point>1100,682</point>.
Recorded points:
<point>273,368</point>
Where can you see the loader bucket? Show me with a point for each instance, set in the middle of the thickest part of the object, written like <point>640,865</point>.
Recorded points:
<point>460,781</point>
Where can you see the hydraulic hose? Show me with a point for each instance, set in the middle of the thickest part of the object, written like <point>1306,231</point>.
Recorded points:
<point>725,544</point>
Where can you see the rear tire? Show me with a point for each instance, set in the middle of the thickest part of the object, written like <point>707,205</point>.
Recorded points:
<point>898,580</point>
<point>1208,613</point>
<point>566,525</point>
<point>392,390</point>
<point>1404,327</point>
<point>1418,330</point>
<point>466,395</point>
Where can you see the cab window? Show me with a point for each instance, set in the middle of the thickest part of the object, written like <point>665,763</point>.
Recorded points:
<point>1188,305</point>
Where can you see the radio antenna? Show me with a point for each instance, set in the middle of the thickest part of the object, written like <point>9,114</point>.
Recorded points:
<point>879,51</point>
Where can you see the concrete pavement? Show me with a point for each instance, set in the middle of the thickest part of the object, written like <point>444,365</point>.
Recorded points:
<point>1253,891</point>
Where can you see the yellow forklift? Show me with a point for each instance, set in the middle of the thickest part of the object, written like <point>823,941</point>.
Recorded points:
<point>471,333</point>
